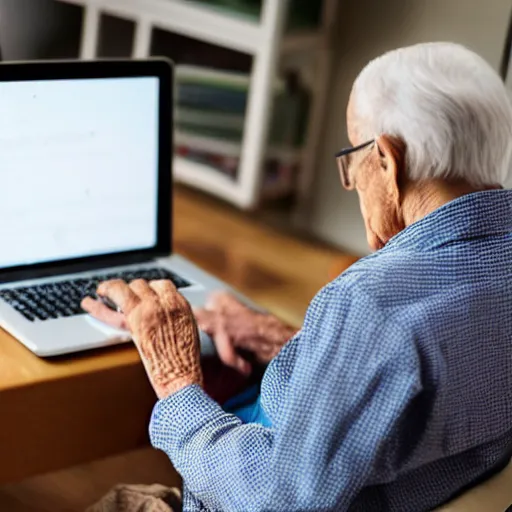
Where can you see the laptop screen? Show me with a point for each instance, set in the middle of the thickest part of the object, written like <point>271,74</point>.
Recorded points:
<point>78,167</point>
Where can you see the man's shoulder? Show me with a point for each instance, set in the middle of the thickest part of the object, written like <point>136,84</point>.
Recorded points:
<point>381,275</point>
<point>383,263</point>
<point>355,297</point>
<point>372,292</point>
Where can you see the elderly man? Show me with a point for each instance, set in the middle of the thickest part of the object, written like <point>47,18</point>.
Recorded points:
<point>395,394</point>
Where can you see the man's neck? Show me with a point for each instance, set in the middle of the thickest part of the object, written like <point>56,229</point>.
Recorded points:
<point>422,198</point>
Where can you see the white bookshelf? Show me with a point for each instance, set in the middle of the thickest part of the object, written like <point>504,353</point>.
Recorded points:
<point>264,40</point>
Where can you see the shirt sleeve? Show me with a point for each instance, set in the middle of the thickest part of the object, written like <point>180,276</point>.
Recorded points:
<point>221,460</point>
<point>355,373</point>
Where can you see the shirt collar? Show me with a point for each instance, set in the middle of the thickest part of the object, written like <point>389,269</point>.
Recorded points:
<point>472,215</point>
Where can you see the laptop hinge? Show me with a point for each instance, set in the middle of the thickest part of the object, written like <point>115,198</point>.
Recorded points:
<point>62,268</point>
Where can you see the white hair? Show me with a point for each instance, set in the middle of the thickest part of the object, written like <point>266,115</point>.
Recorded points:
<point>449,107</point>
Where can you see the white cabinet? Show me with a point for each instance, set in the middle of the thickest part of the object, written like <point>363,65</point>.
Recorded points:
<point>264,40</point>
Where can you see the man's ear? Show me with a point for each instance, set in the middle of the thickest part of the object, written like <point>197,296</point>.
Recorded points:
<point>392,160</point>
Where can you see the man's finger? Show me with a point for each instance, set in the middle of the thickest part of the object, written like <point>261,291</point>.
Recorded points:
<point>205,320</point>
<point>257,346</point>
<point>163,285</point>
<point>119,293</point>
<point>104,314</point>
<point>226,351</point>
<point>142,289</point>
<point>168,293</point>
<point>224,302</point>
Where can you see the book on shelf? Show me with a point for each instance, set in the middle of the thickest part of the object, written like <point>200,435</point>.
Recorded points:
<point>210,119</point>
<point>219,125</point>
<point>214,90</point>
<point>193,116</point>
<point>212,103</point>
<point>212,99</point>
<point>302,14</point>
<point>209,76</point>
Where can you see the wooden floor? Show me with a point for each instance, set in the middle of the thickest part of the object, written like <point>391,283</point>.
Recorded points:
<point>280,272</point>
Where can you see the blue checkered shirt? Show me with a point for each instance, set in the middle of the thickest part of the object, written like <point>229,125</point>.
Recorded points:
<point>394,396</point>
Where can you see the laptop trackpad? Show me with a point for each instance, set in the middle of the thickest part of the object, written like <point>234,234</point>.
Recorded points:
<point>110,332</point>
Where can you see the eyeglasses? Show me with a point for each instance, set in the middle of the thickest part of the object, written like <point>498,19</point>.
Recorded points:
<point>343,159</point>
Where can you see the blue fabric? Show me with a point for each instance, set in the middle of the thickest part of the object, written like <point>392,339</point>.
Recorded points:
<point>395,395</point>
<point>247,407</point>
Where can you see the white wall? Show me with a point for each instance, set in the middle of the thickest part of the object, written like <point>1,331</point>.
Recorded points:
<point>368,28</point>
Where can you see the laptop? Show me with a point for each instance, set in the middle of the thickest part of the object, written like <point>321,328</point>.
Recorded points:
<point>86,154</point>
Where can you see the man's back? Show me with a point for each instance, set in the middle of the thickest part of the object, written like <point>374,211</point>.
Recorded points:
<point>448,281</point>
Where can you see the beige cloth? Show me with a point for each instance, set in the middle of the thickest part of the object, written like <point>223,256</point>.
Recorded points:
<point>139,498</point>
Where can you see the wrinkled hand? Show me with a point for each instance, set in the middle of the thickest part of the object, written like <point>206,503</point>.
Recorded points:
<point>162,326</point>
<point>234,326</point>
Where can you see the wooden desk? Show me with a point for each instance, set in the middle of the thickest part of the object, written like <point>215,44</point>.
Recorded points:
<point>60,412</point>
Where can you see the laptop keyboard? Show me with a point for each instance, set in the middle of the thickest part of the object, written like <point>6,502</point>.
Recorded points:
<point>62,298</point>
